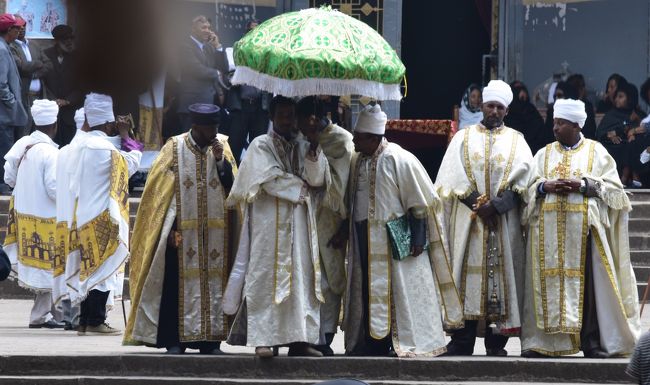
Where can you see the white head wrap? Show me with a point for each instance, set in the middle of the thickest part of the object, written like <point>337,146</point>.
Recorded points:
<point>79,118</point>
<point>497,91</point>
<point>98,109</point>
<point>371,120</point>
<point>571,110</point>
<point>44,112</point>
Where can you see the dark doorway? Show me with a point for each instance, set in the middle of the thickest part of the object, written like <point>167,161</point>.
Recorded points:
<point>442,47</point>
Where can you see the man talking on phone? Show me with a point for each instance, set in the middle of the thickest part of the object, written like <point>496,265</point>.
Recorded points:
<point>202,61</point>
<point>182,240</point>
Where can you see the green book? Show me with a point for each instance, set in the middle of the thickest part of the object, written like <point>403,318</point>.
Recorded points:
<point>399,235</point>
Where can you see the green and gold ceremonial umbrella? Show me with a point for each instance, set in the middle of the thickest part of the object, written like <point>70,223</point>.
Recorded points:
<point>318,51</point>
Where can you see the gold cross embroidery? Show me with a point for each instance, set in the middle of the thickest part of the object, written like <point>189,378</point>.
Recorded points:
<point>578,173</point>
<point>214,254</point>
<point>214,183</point>
<point>499,159</point>
<point>559,170</point>
<point>188,183</point>
<point>476,157</point>
<point>191,253</point>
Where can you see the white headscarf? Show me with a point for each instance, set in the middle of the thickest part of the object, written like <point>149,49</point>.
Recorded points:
<point>79,118</point>
<point>44,112</point>
<point>98,109</point>
<point>371,120</point>
<point>497,91</point>
<point>571,110</point>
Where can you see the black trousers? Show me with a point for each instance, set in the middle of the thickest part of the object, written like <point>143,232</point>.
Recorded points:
<point>168,334</point>
<point>371,345</point>
<point>465,338</point>
<point>590,332</point>
<point>249,122</point>
<point>93,308</point>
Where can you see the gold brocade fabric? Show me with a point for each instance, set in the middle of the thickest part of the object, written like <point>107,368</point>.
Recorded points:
<point>150,133</point>
<point>10,237</point>
<point>36,241</point>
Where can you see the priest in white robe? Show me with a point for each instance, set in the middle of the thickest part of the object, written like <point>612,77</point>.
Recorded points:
<point>392,306</point>
<point>338,148</point>
<point>276,282</point>
<point>481,179</point>
<point>182,240</point>
<point>30,169</point>
<point>581,293</point>
<point>64,224</point>
<point>99,243</point>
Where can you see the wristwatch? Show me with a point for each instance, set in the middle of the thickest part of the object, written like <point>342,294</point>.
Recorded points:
<point>583,187</point>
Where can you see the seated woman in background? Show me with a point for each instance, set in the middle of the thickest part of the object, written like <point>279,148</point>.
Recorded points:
<point>607,103</point>
<point>470,107</point>
<point>618,133</point>
<point>524,117</point>
<point>577,81</point>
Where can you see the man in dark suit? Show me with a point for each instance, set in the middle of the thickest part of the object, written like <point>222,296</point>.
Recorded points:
<point>32,66</point>
<point>249,111</point>
<point>12,112</point>
<point>59,82</point>
<point>202,61</point>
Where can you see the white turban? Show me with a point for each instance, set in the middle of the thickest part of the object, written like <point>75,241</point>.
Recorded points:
<point>497,91</point>
<point>79,118</point>
<point>571,110</point>
<point>98,109</point>
<point>44,112</point>
<point>371,120</point>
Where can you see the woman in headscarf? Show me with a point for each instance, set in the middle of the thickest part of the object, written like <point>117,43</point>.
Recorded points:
<point>470,107</point>
<point>613,83</point>
<point>524,117</point>
<point>617,132</point>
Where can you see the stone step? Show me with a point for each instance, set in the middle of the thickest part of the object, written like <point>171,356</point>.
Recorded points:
<point>642,273</point>
<point>639,241</point>
<point>310,370</point>
<point>640,209</point>
<point>640,257</point>
<point>639,195</point>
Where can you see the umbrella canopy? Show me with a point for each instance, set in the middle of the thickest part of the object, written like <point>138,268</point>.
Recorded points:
<point>318,52</point>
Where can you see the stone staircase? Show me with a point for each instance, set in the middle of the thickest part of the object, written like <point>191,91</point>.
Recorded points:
<point>249,370</point>
<point>639,228</point>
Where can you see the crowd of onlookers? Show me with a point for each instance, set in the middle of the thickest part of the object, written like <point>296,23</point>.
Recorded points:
<point>620,121</point>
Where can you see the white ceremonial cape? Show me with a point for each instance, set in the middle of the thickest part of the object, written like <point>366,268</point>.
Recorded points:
<point>65,205</point>
<point>99,183</point>
<point>30,168</point>
<point>277,271</point>
<point>338,148</point>
<point>557,247</point>
<point>415,297</point>
<point>488,162</point>
<point>183,187</point>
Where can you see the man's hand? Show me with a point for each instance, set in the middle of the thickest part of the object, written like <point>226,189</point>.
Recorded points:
<point>416,250</point>
<point>488,214</point>
<point>213,39</point>
<point>62,103</point>
<point>123,126</point>
<point>217,149</point>
<point>174,239</point>
<point>611,135</point>
<point>562,186</point>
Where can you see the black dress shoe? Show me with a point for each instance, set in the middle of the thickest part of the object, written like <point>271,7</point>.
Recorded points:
<point>596,353</point>
<point>325,349</point>
<point>214,352</point>
<point>533,354</point>
<point>457,350</point>
<point>51,324</point>
<point>496,352</point>
<point>175,350</point>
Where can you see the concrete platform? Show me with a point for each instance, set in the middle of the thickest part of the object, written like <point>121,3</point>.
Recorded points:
<point>42,356</point>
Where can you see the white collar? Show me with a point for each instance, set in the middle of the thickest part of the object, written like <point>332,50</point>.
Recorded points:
<point>197,42</point>
<point>43,137</point>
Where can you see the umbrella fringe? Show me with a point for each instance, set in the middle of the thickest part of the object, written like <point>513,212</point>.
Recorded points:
<point>316,86</point>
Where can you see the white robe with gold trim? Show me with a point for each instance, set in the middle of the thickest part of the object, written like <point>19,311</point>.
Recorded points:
<point>99,183</point>
<point>487,162</point>
<point>277,273</point>
<point>338,148</point>
<point>183,187</point>
<point>412,298</point>
<point>30,168</point>
<point>557,248</point>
